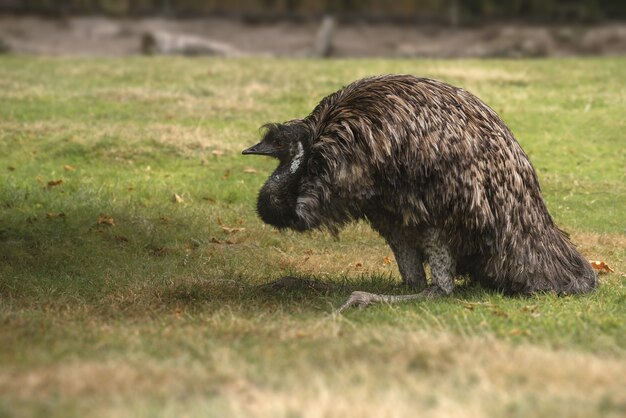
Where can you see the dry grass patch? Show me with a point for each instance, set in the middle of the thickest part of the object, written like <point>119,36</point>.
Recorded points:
<point>127,140</point>
<point>610,248</point>
<point>403,373</point>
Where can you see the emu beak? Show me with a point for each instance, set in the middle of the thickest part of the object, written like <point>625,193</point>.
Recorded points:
<point>260,149</point>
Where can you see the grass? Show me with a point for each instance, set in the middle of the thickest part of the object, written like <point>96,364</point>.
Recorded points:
<point>118,299</point>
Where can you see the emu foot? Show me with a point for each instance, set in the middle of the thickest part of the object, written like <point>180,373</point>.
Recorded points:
<point>364,299</point>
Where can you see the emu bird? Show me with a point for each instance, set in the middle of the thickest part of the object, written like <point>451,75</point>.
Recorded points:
<point>436,172</point>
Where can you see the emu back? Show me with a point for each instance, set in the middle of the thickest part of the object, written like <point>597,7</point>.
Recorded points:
<point>436,172</point>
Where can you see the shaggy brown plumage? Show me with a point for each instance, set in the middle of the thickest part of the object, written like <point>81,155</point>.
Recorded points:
<point>436,172</point>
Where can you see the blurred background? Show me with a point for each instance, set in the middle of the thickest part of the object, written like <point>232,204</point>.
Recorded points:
<point>341,28</point>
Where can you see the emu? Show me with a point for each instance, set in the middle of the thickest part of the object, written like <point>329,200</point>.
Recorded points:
<point>436,173</point>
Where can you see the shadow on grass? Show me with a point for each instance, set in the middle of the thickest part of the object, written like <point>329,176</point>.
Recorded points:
<point>293,292</point>
<point>148,265</point>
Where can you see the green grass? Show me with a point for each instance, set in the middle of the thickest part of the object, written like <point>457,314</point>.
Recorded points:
<point>160,315</point>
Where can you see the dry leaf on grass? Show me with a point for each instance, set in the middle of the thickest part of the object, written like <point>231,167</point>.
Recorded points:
<point>69,167</point>
<point>386,261</point>
<point>106,220</point>
<point>177,199</point>
<point>601,266</point>
<point>217,152</point>
<point>517,331</point>
<point>497,311</point>
<point>178,313</point>
<point>52,215</point>
<point>55,183</point>
<point>226,175</point>
<point>249,170</point>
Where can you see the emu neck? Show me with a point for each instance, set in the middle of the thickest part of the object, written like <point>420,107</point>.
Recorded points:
<point>277,199</point>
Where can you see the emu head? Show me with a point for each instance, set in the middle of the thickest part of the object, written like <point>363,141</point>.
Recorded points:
<point>289,143</point>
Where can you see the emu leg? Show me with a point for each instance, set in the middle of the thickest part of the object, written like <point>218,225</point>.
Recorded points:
<point>410,262</point>
<point>442,264</point>
<point>442,267</point>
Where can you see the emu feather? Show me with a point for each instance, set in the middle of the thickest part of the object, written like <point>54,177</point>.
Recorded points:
<point>436,172</point>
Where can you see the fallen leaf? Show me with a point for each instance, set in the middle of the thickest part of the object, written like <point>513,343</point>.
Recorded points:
<point>69,167</point>
<point>499,312</point>
<point>121,238</point>
<point>249,170</point>
<point>105,220</point>
<point>52,215</point>
<point>55,183</point>
<point>177,199</point>
<point>178,313</point>
<point>601,266</point>
<point>386,261</point>
<point>358,265</point>
<point>217,152</point>
<point>226,175</point>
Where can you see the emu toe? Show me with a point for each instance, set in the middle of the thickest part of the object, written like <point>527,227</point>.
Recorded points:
<point>364,299</point>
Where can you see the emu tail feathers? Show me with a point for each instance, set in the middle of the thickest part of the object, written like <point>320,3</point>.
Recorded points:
<point>577,275</point>
<point>560,267</point>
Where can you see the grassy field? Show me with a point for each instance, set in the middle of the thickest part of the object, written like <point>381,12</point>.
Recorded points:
<point>130,252</point>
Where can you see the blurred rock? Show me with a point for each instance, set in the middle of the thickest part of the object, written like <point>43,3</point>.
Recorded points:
<point>611,38</point>
<point>96,28</point>
<point>323,45</point>
<point>517,42</point>
<point>4,46</point>
<point>177,44</point>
